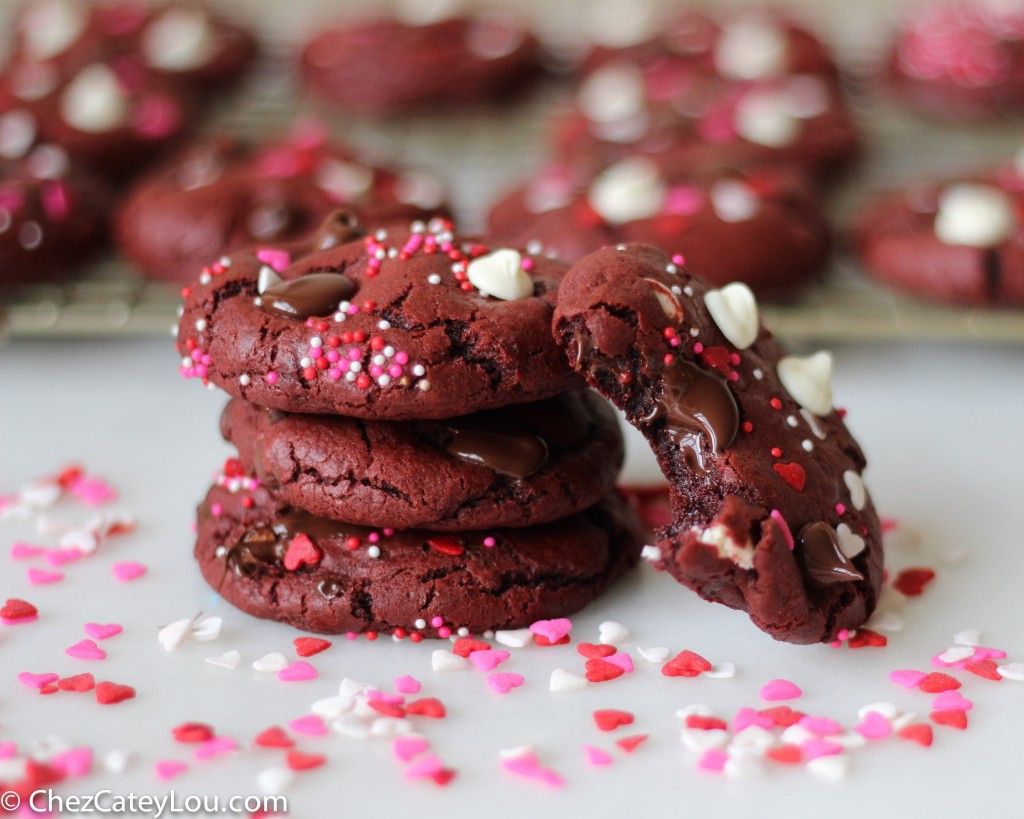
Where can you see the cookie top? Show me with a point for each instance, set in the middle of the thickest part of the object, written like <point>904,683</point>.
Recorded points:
<point>770,512</point>
<point>956,240</point>
<point>765,227</point>
<point>390,66</point>
<point>960,60</point>
<point>52,212</point>
<point>406,323</point>
<point>220,195</point>
<point>280,563</point>
<point>514,466</point>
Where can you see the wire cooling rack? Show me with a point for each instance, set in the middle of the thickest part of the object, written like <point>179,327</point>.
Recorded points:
<point>482,154</point>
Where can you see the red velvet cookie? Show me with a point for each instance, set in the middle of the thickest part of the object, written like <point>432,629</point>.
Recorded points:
<point>385,66</point>
<point>765,227</point>
<point>770,512</point>
<point>410,323</point>
<point>957,241</point>
<point>220,195</point>
<point>280,563</point>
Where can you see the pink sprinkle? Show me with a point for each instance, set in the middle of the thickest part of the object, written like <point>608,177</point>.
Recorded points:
<point>86,650</point>
<point>270,378</point>
<point>407,684</point>
<point>698,348</point>
<point>27,678</point>
<point>951,701</point>
<point>25,551</point>
<point>38,577</point>
<point>490,542</point>
<point>813,748</point>
<point>489,659</point>
<point>169,768</point>
<point>683,200</point>
<point>597,757</point>
<point>907,677</point>
<point>8,750</point>
<point>218,746</point>
<point>58,557</point>
<point>103,632</point>
<point>840,509</point>
<point>746,717</point>
<point>527,765</point>
<point>217,509</point>
<point>311,726</point>
<point>874,726</point>
<point>553,630</point>
<point>713,759</point>
<point>775,690</point>
<point>821,726</point>
<point>355,353</point>
<point>128,571</point>
<point>74,762</point>
<point>776,515</point>
<point>384,696</point>
<point>299,671</point>
<point>437,622</point>
<point>55,201</point>
<point>424,766</point>
<point>277,259</point>
<point>503,682</point>
<point>157,117</point>
<point>406,747</point>
<point>93,491</point>
<point>402,357</point>
<point>622,660</point>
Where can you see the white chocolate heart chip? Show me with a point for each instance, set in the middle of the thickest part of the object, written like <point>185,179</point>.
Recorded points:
<point>49,27</point>
<point>179,40</point>
<point>667,299</point>
<point>855,485</point>
<point>734,309</point>
<point>173,636</point>
<point>751,50</point>
<point>271,663</point>
<point>630,190</point>
<point>612,93</point>
<point>808,380</point>
<point>500,274</point>
<point>734,201</point>
<point>229,660</point>
<point>975,216</point>
<point>93,101</point>
<point>267,278</point>
<point>850,543</point>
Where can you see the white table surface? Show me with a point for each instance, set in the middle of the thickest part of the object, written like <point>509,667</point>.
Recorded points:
<point>942,428</point>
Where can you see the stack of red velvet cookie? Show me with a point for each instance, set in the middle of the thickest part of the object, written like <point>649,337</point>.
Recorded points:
<point>415,453</point>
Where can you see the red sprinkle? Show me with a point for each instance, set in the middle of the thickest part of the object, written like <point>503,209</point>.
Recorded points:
<point>446,545</point>
<point>274,737</point>
<point>465,646</point>
<point>953,718</point>
<point>595,651</point>
<point>427,707</point>
<point>79,683</point>
<point>602,671</point>
<point>685,664</point>
<point>608,719</point>
<point>193,732</point>
<point>308,646</point>
<point>301,552</point>
<point>629,744</point>
<point>299,761</point>
<point>108,693</point>
<point>918,732</point>
<point>936,682</point>
<point>912,582</point>
<point>985,669</point>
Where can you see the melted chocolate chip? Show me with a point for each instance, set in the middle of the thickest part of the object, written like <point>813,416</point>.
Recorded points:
<point>514,455</point>
<point>338,228</point>
<point>316,294</point>
<point>696,403</point>
<point>258,549</point>
<point>824,561</point>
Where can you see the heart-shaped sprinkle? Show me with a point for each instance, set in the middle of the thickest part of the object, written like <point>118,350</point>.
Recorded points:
<point>654,654</point>
<point>601,670</point>
<point>79,683</point>
<point>850,543</point>
<point>16,612</point>
<point>168,769</point>
<point>951,701</point>
<point>917,732</point>
<point>108,693</point>
<point>407,684</point>
<point>608,719</point>
<point>775,690</point>
<point>278,260</point>
<point>515,638</point>
<point>986,669</point>
<point>425,766</point>
<point>597,757</point>
<point>785,754</point>
<point>954,719</point>
<point>299,761</point>
<point>906,677</point>
<point>622,660</point>
<point>127,571</point>
<point>230,660</point>
<point>816,747</point>
<point>855,486</point>
<point>821,726</point>
<point>214,747</point>
<point>301,552</point>
<point>27,678</point>
<point>299,671</point>
<point>705,722</point>
<point>1012,671</point>
<point>173,635</point>
<point>411,745</point>
<point>874,726</point>
<point>936,682</point>
<point>713,759</point>
<point>967,637</point>
<point>102,632</point>
<point>26,551</point>
<point>40,577</point>
<point>207,629</point>
<point>465,646</point>
<point>116,762</point>
<point>442,660</point>
<point>629,744</point>
<point>912,582</point>
<point>552,630</point>
<point>274,737</point>
<point>793,474</point>
<point>595,651</point>
<point>782,715</point>
<point>86,650</point>
<point>308,646</point>
<point>612,632</point>
<point>866,638</point>
<point>500,274</point>
<point>808,380</point>
<point>488,659</point>
<point>275,781</point>
<point>685,664</point>
<point>427,707</point>
<point>192,732</point>
<point>310,725</point>
<point>503,682</point>
<point>734,310</point>
<point>562,680</point>
<point>629,190</point>
<point>271,663</point>
<point>831,768</point>
<point>975,215</point>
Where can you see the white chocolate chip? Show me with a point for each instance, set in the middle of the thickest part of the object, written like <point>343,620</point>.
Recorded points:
<point>666,298</point>
<point>267,278</point>
<point>734,201</point>
<point>17,133</point>
<point>808,380</point>
<point>763,116</point>
<point>850,543</point>
<point>613,93</point>
<point>500,274</point>
<point>855,485</point>
<point>180,39</point>
<point>718,536</point>
<point>630,190</point>
<point>93,101</point>
<point>50,26</point>
<point>751,50</point>
<point>734,309</point>
<point>975,216</point>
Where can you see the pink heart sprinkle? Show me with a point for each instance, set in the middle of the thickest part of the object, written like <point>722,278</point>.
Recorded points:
<point>425,765</point>
<point>821,726</point>
<point>907,677</point>
<point>384,696</point>
<point>39,577</point>
<point>168,769</point>
<point>622,660</point>
<point>8,750</point>
<point>76,762</point>
<point>25,551</point>
<point>406,747</point>
<point>277,259</point>
<point>128,571</point>
<point>58,557</point>
<point>489,659</point>
<point>746,717</point>
<point>503,682</point>
<point>775,690</point>
<point>813,748</point>
<point>215,747</point>
<point>103,632</point>
<point>597,757</point>
<point>311,726</point>
<point>713,759</point>
<point>93,491</point>
<point>37,680</point>
<point>951,701</point>
<point>299,671</point>
<point>553,630</point>
<point>874,726</point>
<point>86,650</point>
<point>407,685</point>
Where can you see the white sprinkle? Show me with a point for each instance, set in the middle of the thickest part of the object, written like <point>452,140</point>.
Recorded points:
<point>671,268</point>
<point>379,360</point>
<point>967,637</point>
<point>173,636</point>
<point>884,709</point>
<point>373,551</point>
<point>258,301</point>
<point>418,370</point>
<point>515,638</point>
<point>380,235</point>
<point>424,386</point>
<point>724,670</point>
<point>271,663</point>
<point>886,621</point>
<point>389,352</point>
<point>305,361</point>
<point>274,781</point>
<point>352,726</point>
<point>207,630</point>
<point>393,253</point>
<point>688,290</point>
<point>380,254</point>
<point>420,624</point>
<point>534,247</point>
<point>205,278</point>
<point>832,767</point>
<point>612,632</point>
<point>956,653</point>
<point>355,366</point>
<point>316,341</point>
<point>699,740</point>
<point>458,267</point>
<point>229,660</point>
<point>442,660</point>
<point>676,289</point>
<point>433,278</point>
<point>225,261</point>
<point>417,227</point>
<point>562,681</point>
<point>116,761</point>
<point>654,654</point>
<point>807,445</point>
<point>1011,671</point>
<point>651,553</point>
<point>350,376</point>
<point>384,380</point>
<point>463,632</point>
<point>791,420</point>
<point>332,707</point>
<point>384,324</point>
<point>200,324</point>
<point>340,317</point>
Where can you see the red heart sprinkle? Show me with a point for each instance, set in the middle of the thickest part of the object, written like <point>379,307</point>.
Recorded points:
<point>984,668</point>
<point>192,732</point>
<point>444,776</point>
<point>446,545</point>
<point>952,718</point>
<point>301,552</point>
<point>685,664</point>
<point>308,646</point>
<point>465,646</point>
<point>786,754</point>
<point>782,715</point>
<point>69,476</point>
<point>911,582</point>
<point>793,474</point>
<point>602,670</point>
<point>50,688</point>
<point>937,681</point>
<point>918,732</point>
<point>108,693</point>
<point>79,683</point>
<point>274,737</point>
<point>595,651</point>
<point>629,744</point>
<point>427,707</point>
<point>703,723</point>
<point>18,610</point>
<point>38,775</point>
<point>608,719</point>
<point>865,637</point>
<point>544,640</point>
<point>388,709</point>
<point>716,358</point>
<point>299,761</point>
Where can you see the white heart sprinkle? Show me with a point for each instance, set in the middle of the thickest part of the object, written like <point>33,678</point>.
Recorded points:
<point>612,93</point>
<point>83,540</point>
<point>809,380</point>
<point>721,671</point>
<point>753,736</point>
<point>887,621</point>
<point>743,766</point>
<point>93,101</point>
<point>612,632</point>
<point>832,767</point>
<point>850,542</point>
<point>955,654</point>
<point>630,190</point>
<point>514,638</point>
<point>694,708</point>
<point>967,637</point>
<point>734,309</point>
<point>271,663</point>
<point>750,50</point>
<point>208,629</point>
<point>884,709</point>
<point>855,486</point>
<point>903,720</point>
<point>275,780</point>
<point>179,40</point>
<point>390,727</point>
<point>173,636</point>
<point>796,734</point>
<point>651,553</point>
<point>332,707</point>
<point>763,116</point>
<point>116,761</point>
<point>849,740</point>
<point>975,216</point>
<point>442,660</point>
<point>500,274</point>
<point>654,654</point>
<point>352,688</point>
<point>562,680</point>
<point>1011,671</point>
<point>266,279</point>
<point>696,739</point>
<point>229,659</point>
<point>734,201</point>
<point>350,725</point>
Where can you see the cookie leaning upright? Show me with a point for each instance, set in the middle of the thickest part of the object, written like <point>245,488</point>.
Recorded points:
<point>390,326</point>
<point>770,513</point>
